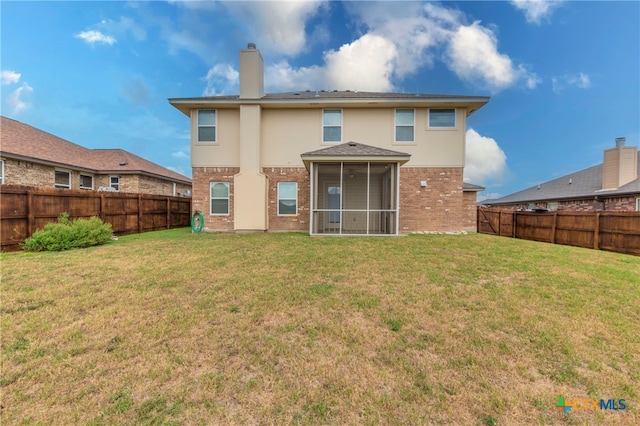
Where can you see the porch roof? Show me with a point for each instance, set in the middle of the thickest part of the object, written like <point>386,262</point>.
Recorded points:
<point>354,151</point>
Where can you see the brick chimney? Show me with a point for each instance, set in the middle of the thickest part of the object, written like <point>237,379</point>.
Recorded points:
<point>620,165</point>
<point>251,73</point>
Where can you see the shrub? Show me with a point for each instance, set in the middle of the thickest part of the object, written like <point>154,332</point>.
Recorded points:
<point>66,234</point>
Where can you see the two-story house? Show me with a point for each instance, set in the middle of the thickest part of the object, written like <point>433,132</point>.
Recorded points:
<point>329,162</point>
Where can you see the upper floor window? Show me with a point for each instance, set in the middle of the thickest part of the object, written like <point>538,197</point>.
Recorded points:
<point>114,182</point>
<point>219,198</point>
<point>405,121</point>
<point>63,179</point>
<point>86,182</point>
<point>442,118</point>
<point>287,198</point>
<point>207,121</point>
<point>331,125</point>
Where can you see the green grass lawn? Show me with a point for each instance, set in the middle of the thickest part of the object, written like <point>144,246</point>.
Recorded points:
<point>179,328</point>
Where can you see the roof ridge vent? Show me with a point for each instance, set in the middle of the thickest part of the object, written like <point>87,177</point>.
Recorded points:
<point>620,142</point>
<point>352,144</point>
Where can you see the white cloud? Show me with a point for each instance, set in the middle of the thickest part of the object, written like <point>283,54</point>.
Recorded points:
<point>366,64</point>
<point>10,77</point>
<point>18,100</point>
<point>280,26</point>
<point>122,26</point>
<point>222,79</point>
<point>484,160</point>
<point>281,76</point>
<point>92,37</point>
<point>180,154</point>
<point>580,81</point>
<point>473,55</point>
<point>177,169</point>
<point>536,10</point>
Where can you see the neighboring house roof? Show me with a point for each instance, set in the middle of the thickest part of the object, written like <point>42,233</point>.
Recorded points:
<point>25,142</point>
<point>316,98</point>
<point>586,183</point>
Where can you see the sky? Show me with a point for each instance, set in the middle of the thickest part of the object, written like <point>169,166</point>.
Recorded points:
<point>563,76</point>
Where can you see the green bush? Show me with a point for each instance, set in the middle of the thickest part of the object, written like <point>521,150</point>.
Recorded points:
<point>66,234</point>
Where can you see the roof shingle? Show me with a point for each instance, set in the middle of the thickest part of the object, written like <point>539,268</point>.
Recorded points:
<point>27,142</point>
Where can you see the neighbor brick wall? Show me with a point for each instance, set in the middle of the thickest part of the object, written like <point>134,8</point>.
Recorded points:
<point>624,204</point>
<point>18,172</point>
<point>202,176</point>
<point>300,222</point>
<point>436,207</point>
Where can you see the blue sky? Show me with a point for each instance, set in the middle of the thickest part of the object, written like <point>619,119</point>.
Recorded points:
<point>563,76</point>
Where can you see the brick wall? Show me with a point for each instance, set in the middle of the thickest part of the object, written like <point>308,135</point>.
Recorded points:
<point>202,176</point>
<point>623,204</point>
<point>469,199</point>
<point>436,207</point>
<point>299,222</point>
<point>32,174</point>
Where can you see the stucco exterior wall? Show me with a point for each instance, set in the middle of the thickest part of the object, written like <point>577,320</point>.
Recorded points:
<point>287,133</point>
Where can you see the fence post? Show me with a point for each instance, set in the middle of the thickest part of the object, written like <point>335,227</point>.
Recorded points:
<point>596,233</point>
<point>513,224</point>
<point>140,213</point>
<point>499,223</point>
<point>31,214</point>
<point>168,213</point>
<point>553,227</point>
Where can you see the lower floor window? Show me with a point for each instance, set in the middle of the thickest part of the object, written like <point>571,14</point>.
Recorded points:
<point>114,182</point>
<point>638,204</point>
<point>63,179</point>
<point>287,198</point>
<point>86,182</point>
<point>220,198</point>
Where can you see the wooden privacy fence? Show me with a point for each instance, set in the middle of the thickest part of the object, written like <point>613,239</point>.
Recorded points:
<point>23,210</point>
<point>608,230</point>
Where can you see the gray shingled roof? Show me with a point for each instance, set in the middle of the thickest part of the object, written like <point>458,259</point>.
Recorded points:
<point>355,149</point>
<point>342,94</point>
<point>466,186</point>
<point>583,184</point>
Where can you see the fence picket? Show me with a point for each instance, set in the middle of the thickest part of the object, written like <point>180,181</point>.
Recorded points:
<point>25,209</point>
<point>620,234</point>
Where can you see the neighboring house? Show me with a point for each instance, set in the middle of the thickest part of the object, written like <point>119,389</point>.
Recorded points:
<point>612,185</point>
<point>329,162</point>
<point>29,156</point>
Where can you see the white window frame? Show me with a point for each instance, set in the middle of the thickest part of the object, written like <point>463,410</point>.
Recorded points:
<point>455,118</point>
<point>552,206</point>
<point>211,198</point>
<point>332,125</point>
<point>396,125</point>
<point>1,171</point>
<point>287,199</point>
<point>60,185</point>
<point>637,203</point>
<point>80,181</point>
<point>214,126</point>
<point>114,185</point>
